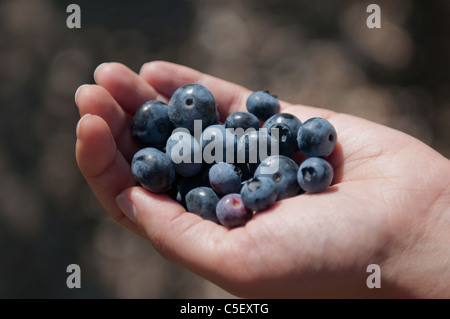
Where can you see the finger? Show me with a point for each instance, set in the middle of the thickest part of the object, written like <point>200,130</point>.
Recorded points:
<point>166,77</point>
<point>103,166</point>
<point>184,238</point>
<point>124,85</point>
<point>96,100</point>
<point>304,112</point>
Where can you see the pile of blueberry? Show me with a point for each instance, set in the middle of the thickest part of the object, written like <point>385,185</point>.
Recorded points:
<point>227,171</point>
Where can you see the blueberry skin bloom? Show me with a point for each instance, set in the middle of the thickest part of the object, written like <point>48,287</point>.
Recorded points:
<point>286,128</point>
<point>231,211</point>
<point>153,170</point>
<point>224,178</point>
<point>185,153</point>
<point>283,171</point>
<point>192,102</point>
<point>259,193</point>
<point>202,201</point>
<point>151,125</point>
<point>242,120</point>
<point>317,137</point>
<point>263,104</point>
<point>315,175</point>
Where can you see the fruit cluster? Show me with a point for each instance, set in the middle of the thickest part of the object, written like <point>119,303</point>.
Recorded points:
<point>227,171</point>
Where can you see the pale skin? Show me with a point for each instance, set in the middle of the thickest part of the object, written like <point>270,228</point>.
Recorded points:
<point>389,203</point>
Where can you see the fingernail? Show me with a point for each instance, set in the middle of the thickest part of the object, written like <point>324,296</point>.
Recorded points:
<point>78,91</point>
<point>126,206</point>
<point>142,67</point>
<point>79,123</point>
<point>98,68</point>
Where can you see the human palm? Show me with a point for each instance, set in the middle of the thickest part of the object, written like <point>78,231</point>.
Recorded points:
<point>387,204</point>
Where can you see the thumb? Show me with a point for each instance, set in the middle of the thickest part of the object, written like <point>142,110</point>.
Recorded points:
<point>180,236</point>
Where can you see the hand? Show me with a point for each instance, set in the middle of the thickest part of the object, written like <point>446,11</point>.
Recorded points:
<point>389,203</point>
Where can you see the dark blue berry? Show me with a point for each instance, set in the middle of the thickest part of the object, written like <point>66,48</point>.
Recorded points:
<point>202,201</point>
<point>242,120</point>
<point>317,137</point>
<point>259,193</point>
<point>315,175</point>
<point>151,125</point>
<point>283,171</point>
<point>224,178</point>
<point>263,104</point>
<point>153,170</point>
<point>284,127</point>
<point>192,102</point>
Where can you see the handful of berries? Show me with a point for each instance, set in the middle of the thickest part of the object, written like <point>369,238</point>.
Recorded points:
<point>227,171</point>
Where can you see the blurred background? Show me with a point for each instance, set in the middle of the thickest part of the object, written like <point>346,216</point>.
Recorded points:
<point>318,53</point>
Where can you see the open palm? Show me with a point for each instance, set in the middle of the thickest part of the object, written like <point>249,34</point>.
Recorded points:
<point>387,204</point>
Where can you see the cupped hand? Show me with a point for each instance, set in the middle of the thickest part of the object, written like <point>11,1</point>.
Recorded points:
<point>388,204</point>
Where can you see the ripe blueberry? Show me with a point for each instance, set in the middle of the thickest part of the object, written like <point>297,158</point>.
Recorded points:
<point>151,125</point>
<point>202,201</point>
<point>224,178</point>
<point>317,137</point>
<point>192,102</point>
<point>263,104</point>
<point>242,120</point>
<point>259,193</point>
<point>153,170</point>
<point>283,171</point>
<point>315,175</point>
<point>285,127</point>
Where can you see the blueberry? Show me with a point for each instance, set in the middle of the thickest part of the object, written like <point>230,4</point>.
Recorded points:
<point>185,153</point>
<point>315,175</point>
<point>231,211</point>
<point>286,127</point>
<point>283,171</point>
<point>192,102</point>
<point>218,144</point>
<point>254,146</point>
<point>202,201</point>
<point>259,193</point>
<point>151,125</point>
<point>263,104</point>
<point>153,170</point>
<point>242,120</point>
<point>224,179</point>
<point>316,137</point>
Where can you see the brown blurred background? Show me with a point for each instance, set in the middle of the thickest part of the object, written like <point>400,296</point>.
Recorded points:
<point>318,53</point>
